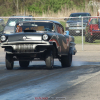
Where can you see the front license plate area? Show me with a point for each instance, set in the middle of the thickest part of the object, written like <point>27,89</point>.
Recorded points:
<point>77,31</point>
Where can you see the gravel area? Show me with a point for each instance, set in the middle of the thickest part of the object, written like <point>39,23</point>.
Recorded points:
<point>87,47</point>
<point>90,53</point>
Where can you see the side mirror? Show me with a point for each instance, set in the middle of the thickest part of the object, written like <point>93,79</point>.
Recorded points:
<point>66,19</point>
<point>67,28</point>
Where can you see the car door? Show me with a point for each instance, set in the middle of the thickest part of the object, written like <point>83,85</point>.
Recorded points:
<point>62,39</point>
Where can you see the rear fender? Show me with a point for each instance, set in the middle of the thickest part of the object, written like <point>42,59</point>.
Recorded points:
<point>72,50</point>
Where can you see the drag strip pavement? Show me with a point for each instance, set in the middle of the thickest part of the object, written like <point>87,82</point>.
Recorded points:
<point>37,81</point>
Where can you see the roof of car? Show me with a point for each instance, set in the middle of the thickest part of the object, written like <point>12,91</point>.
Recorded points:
<point>40,21</point>
<point>21,16</point>
<point>81,13</point>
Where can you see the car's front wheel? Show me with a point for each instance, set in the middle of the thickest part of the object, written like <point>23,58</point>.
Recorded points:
<point>49,60</point>
<point>86,39</point>
<point>66,60</point>
<point>9,61</point>
<point>24,64</point>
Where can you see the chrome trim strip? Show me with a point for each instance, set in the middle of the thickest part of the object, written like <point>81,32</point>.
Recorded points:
<point>18,42</point>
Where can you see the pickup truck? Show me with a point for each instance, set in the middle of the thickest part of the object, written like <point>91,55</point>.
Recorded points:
<point>74,23</point>
<point>92,30</point>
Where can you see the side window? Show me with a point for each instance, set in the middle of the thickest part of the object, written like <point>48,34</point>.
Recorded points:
<point>60,29</point>
<point>54,28</point>
<point>94,21</point>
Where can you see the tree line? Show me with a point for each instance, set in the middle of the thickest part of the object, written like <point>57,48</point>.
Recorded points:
<point>10,7</point>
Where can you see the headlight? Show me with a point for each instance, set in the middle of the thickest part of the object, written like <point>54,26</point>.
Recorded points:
<point>67,24</point>
<point>3,38</point>
<point>45,37</point>
<point>4,31</point>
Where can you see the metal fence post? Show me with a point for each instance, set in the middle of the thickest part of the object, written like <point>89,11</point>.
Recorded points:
<point>82,35</point>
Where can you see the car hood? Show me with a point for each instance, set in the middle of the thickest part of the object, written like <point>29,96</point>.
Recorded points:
<point>26,36</point>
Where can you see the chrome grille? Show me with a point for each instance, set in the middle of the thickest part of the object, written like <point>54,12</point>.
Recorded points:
<point>24,48</point>
<point>77,25</point>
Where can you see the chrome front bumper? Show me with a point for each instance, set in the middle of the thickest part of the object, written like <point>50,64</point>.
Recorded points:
<point>22,46</point>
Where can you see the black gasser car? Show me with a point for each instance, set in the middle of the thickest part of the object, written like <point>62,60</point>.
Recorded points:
<point>38,40</point>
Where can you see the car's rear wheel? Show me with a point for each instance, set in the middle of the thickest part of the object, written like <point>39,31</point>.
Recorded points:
<point>49,60</point>
<point>66,60</point>
<point>9,61</point>
<point>90,40</point>
<point>24,64</point>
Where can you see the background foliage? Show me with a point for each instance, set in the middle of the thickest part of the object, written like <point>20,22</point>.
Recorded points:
<point>38,7</point>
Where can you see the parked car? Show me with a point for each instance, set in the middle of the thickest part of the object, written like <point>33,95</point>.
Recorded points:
<point>40,39</point>
<point>9,28</point>
<point>92,30</point>
<point>74,23</point>
<point>2,25</point>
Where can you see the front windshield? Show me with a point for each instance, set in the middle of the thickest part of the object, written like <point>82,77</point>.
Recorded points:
<point>36,26</point>
<point>13,21</point>
<point>79,15</point>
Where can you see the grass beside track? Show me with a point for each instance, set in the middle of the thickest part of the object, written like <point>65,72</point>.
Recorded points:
<point>78,40</point>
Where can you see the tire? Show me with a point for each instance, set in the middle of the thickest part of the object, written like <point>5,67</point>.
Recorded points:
<point>24,64</point>
<point>66,60</point>
<point>86,39</point>
<point>49,60</point>
<point>9,61</point>
<point>90,40</point>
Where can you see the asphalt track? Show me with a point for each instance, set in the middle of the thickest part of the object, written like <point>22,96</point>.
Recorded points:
<point>79,82</point>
